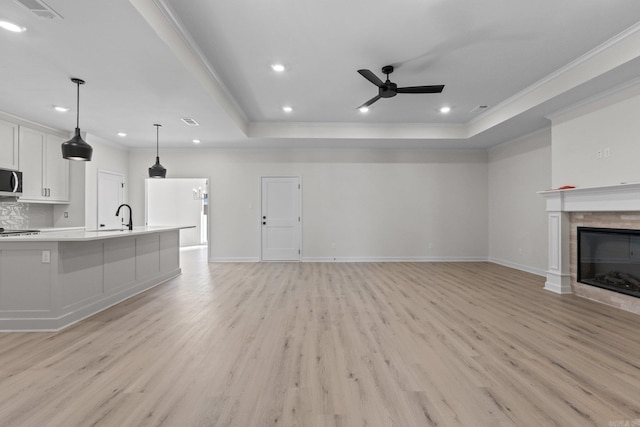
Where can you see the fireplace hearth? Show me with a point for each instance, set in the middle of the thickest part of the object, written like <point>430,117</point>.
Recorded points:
<point>609,258</point>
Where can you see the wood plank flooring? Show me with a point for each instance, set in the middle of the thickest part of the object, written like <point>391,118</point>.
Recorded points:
<point>313,344</point>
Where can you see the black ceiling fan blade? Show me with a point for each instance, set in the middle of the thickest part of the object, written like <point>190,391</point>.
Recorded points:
<point>421,89</point>
<point>369,102</point>
<point>367,74</point>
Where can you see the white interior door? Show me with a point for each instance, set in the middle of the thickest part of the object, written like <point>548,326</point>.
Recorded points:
<point>281,219</point>
<point>110,196</point>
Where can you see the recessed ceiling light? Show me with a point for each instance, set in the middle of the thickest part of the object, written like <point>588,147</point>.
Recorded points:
<point>60,109</point>
<point>10,26</point>
<point>196,141</point>
<point>445,110</point>
<point>122,134</point>
<point>278,68</point>
<point>364,109</point>
<point>287,109</point>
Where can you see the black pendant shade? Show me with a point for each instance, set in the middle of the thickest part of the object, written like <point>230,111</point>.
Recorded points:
<point>76,148</point>
<point>157,170</point>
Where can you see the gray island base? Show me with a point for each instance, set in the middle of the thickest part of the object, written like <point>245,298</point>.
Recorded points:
<point>52,280</point>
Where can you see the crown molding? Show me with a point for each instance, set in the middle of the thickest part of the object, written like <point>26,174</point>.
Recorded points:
<point>163,20</point>
<point>358,130</point>
<point>613,53</point>
<point>593,103</point>
<point>616,51</point>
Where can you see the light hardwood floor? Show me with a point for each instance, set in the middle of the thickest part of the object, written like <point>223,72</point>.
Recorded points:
<point>363,344</point>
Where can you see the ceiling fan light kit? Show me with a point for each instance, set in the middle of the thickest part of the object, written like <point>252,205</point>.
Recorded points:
<point>76,148</point>
<point>388,89</point>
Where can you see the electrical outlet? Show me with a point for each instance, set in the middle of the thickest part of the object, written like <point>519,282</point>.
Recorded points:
<point>599,154</point>
<point>606,152</point>
<point>46,257</point>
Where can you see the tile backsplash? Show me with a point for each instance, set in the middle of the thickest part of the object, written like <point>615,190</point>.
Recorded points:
<point>16,215</point>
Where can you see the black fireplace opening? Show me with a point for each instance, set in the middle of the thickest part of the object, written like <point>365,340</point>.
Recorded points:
<point>609,258</point>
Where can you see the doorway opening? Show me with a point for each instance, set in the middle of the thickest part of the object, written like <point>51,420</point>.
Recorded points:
<point>182,202</point>
<point>110,196</point>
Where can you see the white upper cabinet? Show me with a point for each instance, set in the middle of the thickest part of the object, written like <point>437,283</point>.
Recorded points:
<point>45,174</point>
<point>56,170</point>
<point>32,164</point>
<point>8,145</point>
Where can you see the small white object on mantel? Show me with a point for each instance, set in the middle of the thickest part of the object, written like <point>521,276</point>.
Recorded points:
<point>607,198</point>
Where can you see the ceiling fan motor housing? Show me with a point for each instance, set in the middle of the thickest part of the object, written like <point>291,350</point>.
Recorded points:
<point>388,89</point>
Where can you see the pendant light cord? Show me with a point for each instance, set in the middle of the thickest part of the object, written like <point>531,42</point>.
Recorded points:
<point>78,106</point>
<point>157,140</point>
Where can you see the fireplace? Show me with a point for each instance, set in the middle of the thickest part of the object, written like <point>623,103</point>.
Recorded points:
<point>609,258</point>
<point>606,207</point>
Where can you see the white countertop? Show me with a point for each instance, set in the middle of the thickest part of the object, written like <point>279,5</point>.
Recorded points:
<point>82,235</point>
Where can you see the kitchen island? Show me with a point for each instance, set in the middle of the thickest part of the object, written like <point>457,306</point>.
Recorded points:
<point>51,280</point>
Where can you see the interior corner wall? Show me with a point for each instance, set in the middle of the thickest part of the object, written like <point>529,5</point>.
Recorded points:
<point>356,205</point>
<point>108,157</point>
<point>517,215</point>
<point>75,210</point>
<point>578,136</point>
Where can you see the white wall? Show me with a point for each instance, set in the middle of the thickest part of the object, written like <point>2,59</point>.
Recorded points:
<point>75,210</point>
<point>517,215</point>
<point>578,135</point>
<point>109,157</point>
<point>371,205</point>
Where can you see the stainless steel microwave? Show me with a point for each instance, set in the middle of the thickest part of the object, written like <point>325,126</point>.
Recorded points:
<point>10,183</point>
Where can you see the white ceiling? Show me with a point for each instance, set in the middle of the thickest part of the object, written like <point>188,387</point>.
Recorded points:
<point>156,61</point>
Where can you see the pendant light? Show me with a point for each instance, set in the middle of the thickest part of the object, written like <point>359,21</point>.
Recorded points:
<point>157,170</point>
<point>76,148</point>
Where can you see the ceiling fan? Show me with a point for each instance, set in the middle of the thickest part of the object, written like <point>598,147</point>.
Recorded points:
<point>389,89</point>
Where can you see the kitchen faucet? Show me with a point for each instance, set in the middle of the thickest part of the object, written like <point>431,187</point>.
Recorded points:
<point>130,225</point>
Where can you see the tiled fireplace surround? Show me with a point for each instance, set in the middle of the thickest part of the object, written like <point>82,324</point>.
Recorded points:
<point>616,206</point>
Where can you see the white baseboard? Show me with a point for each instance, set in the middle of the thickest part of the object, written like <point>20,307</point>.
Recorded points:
<point>525,268</point>
<point>394,259</point>
<point>234,259</point>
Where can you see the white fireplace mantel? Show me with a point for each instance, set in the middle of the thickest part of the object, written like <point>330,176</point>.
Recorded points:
<point>610,198</point>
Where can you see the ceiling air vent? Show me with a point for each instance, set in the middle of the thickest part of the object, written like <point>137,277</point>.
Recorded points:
<point>190,122</point>
<point>40,9</point>
<point>479,108</point>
